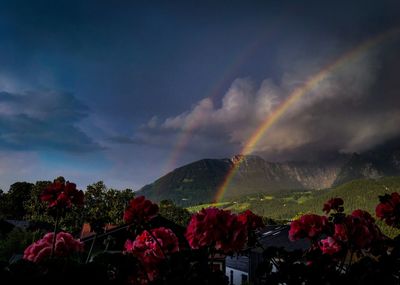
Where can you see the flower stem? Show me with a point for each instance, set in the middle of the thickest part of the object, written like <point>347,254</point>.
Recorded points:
<point>53,246</point>
<point>350,261</point>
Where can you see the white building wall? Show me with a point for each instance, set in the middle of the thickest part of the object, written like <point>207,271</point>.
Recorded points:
<point>236,274</point>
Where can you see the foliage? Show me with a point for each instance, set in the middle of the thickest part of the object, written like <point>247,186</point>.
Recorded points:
<point>118,201</point>
<point>155,254</point>
<point>104,205</point>
<point>12,202</point>
<point>170,211</point>
<point>34,206</point>
<point>345,247</point>
<point>36,210</point>
<point>15,242</point>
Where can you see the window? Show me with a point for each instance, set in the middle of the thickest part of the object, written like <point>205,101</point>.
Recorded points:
<point>244,278</point>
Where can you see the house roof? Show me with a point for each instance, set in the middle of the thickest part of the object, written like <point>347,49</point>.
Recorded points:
<point>270,236</point>
<point>27,225</point>
<point>87,230</point>
<point>19,223</point>
<point>239,262</point>
<point>278,236</point>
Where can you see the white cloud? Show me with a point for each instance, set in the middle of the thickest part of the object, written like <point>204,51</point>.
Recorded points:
<point>334,116</point>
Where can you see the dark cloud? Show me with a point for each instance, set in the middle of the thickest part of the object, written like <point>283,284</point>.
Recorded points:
<point>356,108</point>
<point>124,140</point>
<point>129,61</point>
<point>42,121</point>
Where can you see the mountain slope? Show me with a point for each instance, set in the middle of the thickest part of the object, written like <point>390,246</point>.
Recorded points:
<point>357,194</point>
<point>199,181</point>
<point>370,165</point>
<point>193,183</point>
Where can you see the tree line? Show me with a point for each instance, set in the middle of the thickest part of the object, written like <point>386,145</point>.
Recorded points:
<point>103,205</point>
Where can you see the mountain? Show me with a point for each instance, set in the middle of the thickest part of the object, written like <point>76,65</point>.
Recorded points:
<point>372,164</point>
<point>193,183</point>
<point>255,175</point>
<point>198,182</point>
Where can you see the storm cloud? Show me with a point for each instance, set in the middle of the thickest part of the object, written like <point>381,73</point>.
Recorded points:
<point>152,85</point>
<point>352,110</point>
<point>43,120</point>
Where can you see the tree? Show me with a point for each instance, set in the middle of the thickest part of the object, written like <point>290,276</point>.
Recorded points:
<point>34,207</point>
<point>95,207</point>
<point>36,210</point>
<point>103,205</point>
<point>117,201</point>
<point>3,204</point>
<point>174,213</point>
<point>12,202</point>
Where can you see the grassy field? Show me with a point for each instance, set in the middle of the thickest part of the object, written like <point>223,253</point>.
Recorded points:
<point>358,194</point>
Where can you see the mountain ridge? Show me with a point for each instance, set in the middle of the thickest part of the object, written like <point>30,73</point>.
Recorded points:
<point>199,181</point>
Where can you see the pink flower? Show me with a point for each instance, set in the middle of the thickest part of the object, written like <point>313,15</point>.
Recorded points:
<point>41,249</point>
<point>128,246</point>
<point>152,251</point>
<point>329,246</point>
<point>140,210</point>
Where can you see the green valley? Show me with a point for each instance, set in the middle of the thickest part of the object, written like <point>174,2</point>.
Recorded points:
<point>286,205</point>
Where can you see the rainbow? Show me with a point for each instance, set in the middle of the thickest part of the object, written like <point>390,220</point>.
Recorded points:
<point>188,131</point>
<point>295,96</point>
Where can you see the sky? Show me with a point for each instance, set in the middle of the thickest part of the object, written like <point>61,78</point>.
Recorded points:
<point>126,91</point>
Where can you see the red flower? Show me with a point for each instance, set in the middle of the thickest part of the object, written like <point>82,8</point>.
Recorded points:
<point>62,195</point>
<point>363,215</point>
<point>389,209</point>
<point>41,249</point>
<point>330,246</point>
<point>216,228</point>
<point>51,192</point>
<point>340,232</point>
<point>140,210</point>
<point>151,252</point>
<point>252,221</point>
<point>236,237</point>
<point>308,226</point>
<point>335,204</point>
<point>74,195</point>
<point>128,246</point>
<point>361,230</point>
<point>297,230</point>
